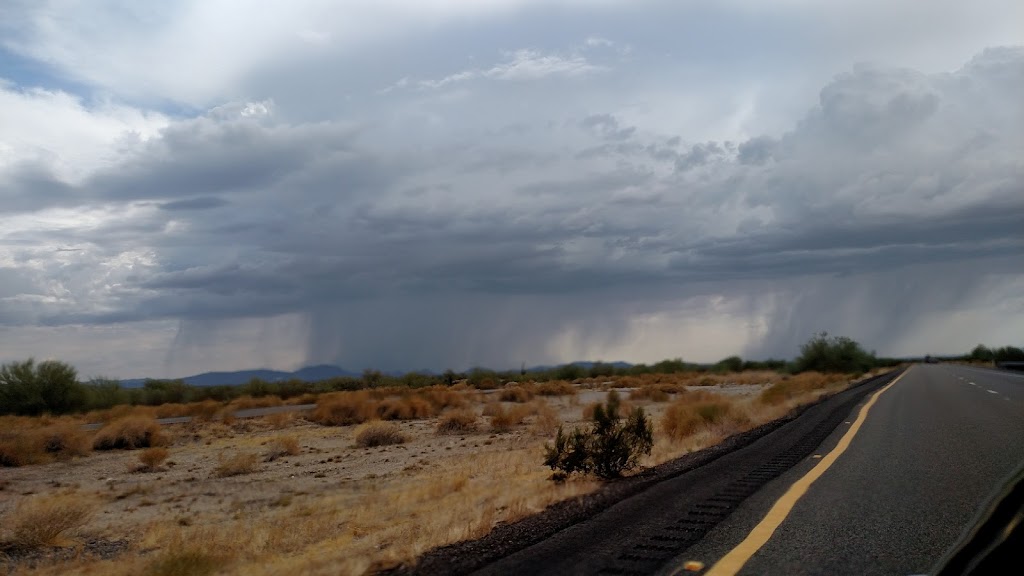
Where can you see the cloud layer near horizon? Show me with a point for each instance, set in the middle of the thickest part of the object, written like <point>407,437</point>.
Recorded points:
<point>549,201</point>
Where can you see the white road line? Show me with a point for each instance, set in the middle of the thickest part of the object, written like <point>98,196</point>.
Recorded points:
<point>993,392</point>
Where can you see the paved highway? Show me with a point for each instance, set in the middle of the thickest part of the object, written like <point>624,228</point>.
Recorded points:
<point>928,455</point>
<point>246,413</point>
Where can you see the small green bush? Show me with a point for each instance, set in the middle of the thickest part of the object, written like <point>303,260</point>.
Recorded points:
<point>610,447</point>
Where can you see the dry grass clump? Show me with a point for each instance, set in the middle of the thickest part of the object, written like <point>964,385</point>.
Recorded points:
<point>794,387</point>
<point>246,402</point>
<point>343,408</point>
<point>688,415</point>
<point>279,420</point>
<point>546,421</point>
<point>652,393</point>
<point>379,434</point>
<point>442,398</point>
<point>404,408</point>
<point>503,420</point>
<point>236,464</point>
<point>458,421</point>
<point>129,433</point>
<point>44,520</point>
<point>25,441</point>
<point>22,448</point>
<point>556,388</point>
<point>152,458</point>
<point>515,394</point>
<point>185,562</point>
<point>204,411</point>
<point>348,408</point>
<point>282,446</point>
<point>119,411</point>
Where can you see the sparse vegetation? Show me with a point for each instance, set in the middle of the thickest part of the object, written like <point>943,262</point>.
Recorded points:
<point>379,434</point>
<point>837,354</point>
<point>129,433</point>
<point>185,562</point>
<point>460,421</point>
<point>28,388</point>
<point>693,412</point>
<point>356,509</point>
<point>282,446</point>
<point>343,409</point>
<point>609,448</point>
<point>236,464</point>
<point>505,419</point>
<point>652,393</point>
<point>152,458</point>
<point>43,520</point>
<point>515,394</point>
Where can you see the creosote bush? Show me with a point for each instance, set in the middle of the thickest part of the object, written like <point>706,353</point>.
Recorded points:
<point>610,447</point>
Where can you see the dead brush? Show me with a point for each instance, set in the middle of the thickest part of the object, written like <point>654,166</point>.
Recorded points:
<point>505,420</point>
<point>129,433</point>
<point>45,520</point>
<point>556,388</point>
<point>282,446</point>
<point>493,407</point>
<point>151,459</point>
<point>247,402</point>
<point>344,408</point>
<point>442,398</point>
<point>379,434</point>
<point>546,421</point>
<point>653,393</point>
<point>236,464</point>
<point>793,387</point>
<point>279,420</point>
<point>687,416</point>
<point>185,562</point>
<point>515,394</point>
<point>404,408</point>
<point>204,411</point>
<point>459,421</point>
<point>22,448</point>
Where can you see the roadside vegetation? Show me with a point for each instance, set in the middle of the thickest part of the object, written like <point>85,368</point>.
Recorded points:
<point>375,474</point>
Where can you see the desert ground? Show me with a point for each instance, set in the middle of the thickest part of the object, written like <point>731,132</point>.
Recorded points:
<point>366,481</point>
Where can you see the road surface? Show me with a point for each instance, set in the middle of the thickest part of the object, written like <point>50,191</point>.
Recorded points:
<point>911,474</point>
<point>246,413</point>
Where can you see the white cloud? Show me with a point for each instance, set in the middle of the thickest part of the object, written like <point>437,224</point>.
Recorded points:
<point>521,65</point>
<point>57,129</point>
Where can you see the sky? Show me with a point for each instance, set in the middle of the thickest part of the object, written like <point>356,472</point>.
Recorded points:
<point>429,184</point>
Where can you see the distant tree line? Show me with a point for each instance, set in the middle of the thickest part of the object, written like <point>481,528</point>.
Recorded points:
<point>982,353</point>
<point>51,386</point>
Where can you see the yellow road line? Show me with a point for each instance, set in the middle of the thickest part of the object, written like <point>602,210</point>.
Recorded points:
<point>732,562</point>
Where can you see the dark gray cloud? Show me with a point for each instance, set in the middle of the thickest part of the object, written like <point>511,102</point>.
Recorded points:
<point>440,233</point>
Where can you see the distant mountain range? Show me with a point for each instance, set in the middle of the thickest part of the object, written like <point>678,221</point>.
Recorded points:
<point>309,374</point>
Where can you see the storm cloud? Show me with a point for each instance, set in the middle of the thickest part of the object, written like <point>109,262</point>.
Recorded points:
<point>525,206</point>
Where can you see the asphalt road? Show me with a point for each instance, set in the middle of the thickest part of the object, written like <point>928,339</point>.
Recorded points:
<point>930,453</point>
<point>246,413</point>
